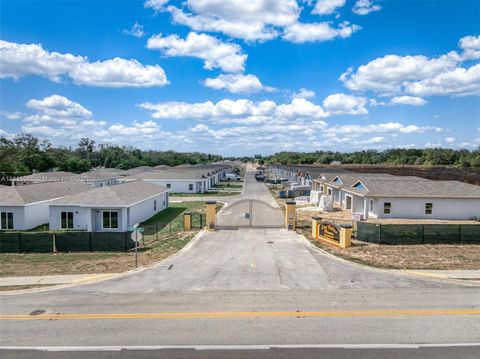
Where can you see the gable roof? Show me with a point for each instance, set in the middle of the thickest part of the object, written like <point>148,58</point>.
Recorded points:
<point>38,192</point>
<point>173,174</point>
<point>121,195</point>
<point>410,186</point>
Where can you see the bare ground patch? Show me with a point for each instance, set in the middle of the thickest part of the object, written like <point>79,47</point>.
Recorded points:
<point>30,264</point>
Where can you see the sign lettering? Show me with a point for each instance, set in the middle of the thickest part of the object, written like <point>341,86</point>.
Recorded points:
<point>329,231</point>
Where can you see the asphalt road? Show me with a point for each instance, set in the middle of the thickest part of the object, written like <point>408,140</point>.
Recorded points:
<point>249,286</point>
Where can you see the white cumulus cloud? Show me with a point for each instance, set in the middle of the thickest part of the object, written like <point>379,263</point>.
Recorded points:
<point>136,30</point>
<point>320,31</point>
<point>248,20</point>
<point>340,103</point>
<point>326,7</point>
<point>216,54</point>
<point>365,7</point>
<point>408,100</point>
<point>236,83</point>
<point>419,75</point>
<point>17,60</point>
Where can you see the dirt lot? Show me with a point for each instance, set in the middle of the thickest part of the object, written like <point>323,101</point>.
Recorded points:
<point>428,256</point>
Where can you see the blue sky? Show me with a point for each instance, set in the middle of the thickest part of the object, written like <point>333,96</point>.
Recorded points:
<point>224,77</point>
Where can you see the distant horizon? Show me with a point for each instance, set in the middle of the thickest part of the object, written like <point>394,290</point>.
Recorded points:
<point>221,77</point>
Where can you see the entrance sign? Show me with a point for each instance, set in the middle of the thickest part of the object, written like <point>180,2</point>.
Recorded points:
<point>338,235</point>
<point>329,231</point>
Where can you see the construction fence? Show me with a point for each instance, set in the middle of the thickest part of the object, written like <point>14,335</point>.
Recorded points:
<point>418,233</point>
<point>47,242</point>
<point>82,241</point>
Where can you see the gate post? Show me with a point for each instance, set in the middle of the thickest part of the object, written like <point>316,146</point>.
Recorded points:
<point>211,209</point>
<point>345,235</point>
<point>290,215</point>
<point>187,221</point>
<point>315,221</point>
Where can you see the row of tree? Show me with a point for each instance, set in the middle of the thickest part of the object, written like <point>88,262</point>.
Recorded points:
<point>429,157</point>
<point>26,153</point>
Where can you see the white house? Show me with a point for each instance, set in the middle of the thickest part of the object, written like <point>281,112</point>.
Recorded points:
<point>373,195</point>
<point>177,180</point>
<point>25,207</point>
<point>111,208</point>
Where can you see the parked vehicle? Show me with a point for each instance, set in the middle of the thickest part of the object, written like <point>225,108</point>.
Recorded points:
<point>232,177</point>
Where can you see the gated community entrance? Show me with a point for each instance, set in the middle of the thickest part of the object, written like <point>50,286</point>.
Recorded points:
<point>247,213</point>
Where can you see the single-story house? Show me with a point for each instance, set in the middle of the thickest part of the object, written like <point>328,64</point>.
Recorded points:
<point>373,195</point>
<point>26,207</point>
<point>111,208</point>
<point>176,180</point>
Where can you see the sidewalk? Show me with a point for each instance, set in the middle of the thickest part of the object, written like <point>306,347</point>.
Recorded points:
<point>52,279</point>
<point>445,274</point>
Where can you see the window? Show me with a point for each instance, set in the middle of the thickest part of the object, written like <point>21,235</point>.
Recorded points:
<point>371,205</point>
<point>321,188</point>
<point>428,208</point>
<point>329,191</point>
<point>349,201</point>
<point>190,186</point>
<point>66,220</point>
<point>7,220</point>
<point>387,208</point>
<point>110,219</point>
<point>154,204</point>
<point>169,185</point>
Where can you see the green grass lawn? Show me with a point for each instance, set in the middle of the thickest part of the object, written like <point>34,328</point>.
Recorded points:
<point>207,194</point>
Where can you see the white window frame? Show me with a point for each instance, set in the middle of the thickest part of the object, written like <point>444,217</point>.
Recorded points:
<point>6,219</point>
<point>118,219</point>
<point>73,221</point>
<point>169,185</point>
<point>190,186</point>
<point>351,202</point>
<point>329,191</point>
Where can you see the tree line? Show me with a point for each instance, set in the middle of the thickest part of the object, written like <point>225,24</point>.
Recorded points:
<point>427,157</point>
<point>26,153</point>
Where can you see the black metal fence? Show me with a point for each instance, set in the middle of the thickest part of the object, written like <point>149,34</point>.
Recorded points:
<point>162,230</point>
<point>418,233</point>
<point>47,242</point>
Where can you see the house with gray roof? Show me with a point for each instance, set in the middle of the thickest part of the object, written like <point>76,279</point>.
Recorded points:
<point>26,207</point>
<point>110,208</point>
<point>178,180</point>
<point>377,195</point>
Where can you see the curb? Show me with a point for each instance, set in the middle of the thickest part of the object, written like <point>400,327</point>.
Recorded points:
<point>94,278</point>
